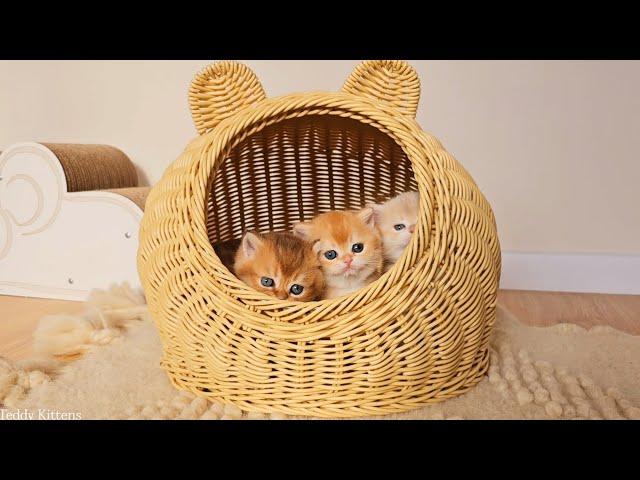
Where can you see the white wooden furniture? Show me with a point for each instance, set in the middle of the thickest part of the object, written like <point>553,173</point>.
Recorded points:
<point>56,243</point>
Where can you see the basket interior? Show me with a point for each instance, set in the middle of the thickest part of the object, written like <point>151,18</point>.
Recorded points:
<point>294,169</point>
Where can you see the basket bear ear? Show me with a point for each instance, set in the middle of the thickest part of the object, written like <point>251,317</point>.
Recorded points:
<point>220,90</point>
<point>393,82</point>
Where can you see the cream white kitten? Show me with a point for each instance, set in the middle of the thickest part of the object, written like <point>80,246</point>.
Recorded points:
<point>396,221</point>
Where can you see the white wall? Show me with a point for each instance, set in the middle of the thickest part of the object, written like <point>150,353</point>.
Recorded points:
<point>554,145</point>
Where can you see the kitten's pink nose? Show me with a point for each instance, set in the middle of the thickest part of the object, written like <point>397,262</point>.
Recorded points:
<point>412,228</point>
<point>282,295</point>
<point>348,260</point>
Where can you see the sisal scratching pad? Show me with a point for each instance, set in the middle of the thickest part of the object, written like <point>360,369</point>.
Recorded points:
<point>137,195</point>
<point>94,167</point>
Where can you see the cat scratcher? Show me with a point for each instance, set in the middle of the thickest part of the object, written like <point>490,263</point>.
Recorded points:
<point>417,335</point>
<point>69,219</point>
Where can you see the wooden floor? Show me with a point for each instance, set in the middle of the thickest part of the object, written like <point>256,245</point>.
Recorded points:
<point>19,315</point>
<point>585,309</point>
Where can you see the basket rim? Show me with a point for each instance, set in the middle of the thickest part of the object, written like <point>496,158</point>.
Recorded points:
<point>229,132</point>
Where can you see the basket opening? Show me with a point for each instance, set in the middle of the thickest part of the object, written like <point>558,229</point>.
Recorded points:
<point>297,168</point>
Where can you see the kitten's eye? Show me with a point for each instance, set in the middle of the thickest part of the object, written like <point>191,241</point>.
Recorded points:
<point>399,226</point>
<point>330,254</point>
<point>296,289</point>
<point>357,247</point>
<point>267,282</point>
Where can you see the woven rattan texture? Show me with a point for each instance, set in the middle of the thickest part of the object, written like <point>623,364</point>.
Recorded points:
<point>293,170</point>
<point>419,334</point>
<point>392,82</point>
<point>220,90</point>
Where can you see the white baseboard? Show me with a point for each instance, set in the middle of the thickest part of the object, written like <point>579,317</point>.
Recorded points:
<point>592,273</point>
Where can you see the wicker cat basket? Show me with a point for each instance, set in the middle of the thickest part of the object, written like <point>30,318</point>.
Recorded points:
<point>417,335</point>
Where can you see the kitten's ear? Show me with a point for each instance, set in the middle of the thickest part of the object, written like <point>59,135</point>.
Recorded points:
<point>250,244</point>
<point>303,230</point>
<point>367,216</point>
<point>377,211</point>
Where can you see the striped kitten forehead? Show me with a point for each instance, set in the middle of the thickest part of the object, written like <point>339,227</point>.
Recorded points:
<point>283,257</point>
<point>291,253</point>
<point>340,227</point>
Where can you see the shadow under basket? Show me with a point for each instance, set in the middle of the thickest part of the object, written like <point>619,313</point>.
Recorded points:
<point>417,335</point>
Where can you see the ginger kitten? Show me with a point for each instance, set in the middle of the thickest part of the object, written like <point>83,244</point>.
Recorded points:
<point>281,265</point>
<point>396,221</point>
<point>349,249</point>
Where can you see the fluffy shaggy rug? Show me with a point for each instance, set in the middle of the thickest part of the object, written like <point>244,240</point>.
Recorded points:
<point>104,364</point>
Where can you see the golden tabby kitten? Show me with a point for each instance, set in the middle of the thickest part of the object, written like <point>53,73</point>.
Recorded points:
<point>349,249</point>
<point>396,221</point>
<point>281,265</point>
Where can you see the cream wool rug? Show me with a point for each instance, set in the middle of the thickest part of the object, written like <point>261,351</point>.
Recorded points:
<point>104,364</point>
